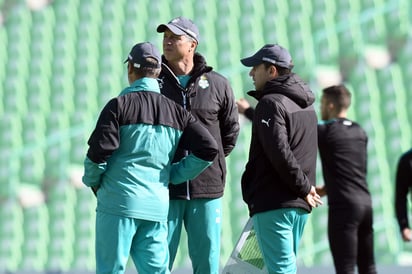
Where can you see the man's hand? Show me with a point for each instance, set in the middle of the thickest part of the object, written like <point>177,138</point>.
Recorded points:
<point>321,190</point>
<point>313,198</point>
<point>407,234</point>
<point>242,105</point>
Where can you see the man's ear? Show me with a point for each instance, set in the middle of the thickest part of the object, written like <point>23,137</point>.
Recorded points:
<point>129,68</point>
<point>273,71</point>
<point>193,46</point>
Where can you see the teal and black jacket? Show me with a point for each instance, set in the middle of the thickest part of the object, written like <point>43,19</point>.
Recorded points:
<point>130,154</point>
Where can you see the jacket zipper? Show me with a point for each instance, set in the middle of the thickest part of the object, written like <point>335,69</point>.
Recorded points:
<point>184,98</point>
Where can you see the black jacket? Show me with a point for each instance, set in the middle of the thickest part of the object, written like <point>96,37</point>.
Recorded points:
<point>343,153</point>
<point>283,150</point>
<point>209,97</point>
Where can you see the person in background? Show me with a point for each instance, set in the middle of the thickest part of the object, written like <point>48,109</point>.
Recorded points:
<point>343,153</point>
<point>402,188</point>
<point>189,81</point>
<point>129,167</point>
<point>278,183</point>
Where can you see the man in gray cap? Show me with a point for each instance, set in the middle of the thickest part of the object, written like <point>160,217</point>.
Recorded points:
<point>129,167</point>
<point>189,81</point>
<point>278,183</point>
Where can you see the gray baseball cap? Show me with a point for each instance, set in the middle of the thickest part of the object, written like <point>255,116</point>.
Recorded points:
<point>181,26</point>
<point>140,52</point>
<point>271,53</point>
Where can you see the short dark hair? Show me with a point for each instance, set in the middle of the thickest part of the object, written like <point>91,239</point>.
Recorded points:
<point>339,95</point>
<point>281,70</point>
<point>151,71</point>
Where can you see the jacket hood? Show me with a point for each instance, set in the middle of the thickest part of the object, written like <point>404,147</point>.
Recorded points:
<point>289,85</point>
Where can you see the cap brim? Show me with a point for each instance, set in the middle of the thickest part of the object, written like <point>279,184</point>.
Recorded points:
<point>175,30</point>
<point>250,61</point>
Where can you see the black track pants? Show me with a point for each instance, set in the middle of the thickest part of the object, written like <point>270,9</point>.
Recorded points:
<point>350,234</point>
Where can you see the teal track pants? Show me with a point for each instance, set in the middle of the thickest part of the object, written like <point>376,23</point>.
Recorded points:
<point>278,233</point>
<point>118,237</point>
<point>202,221</point>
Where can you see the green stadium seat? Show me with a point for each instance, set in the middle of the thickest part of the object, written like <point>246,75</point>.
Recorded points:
<point>182,8</point>
<point>61,201</point>
<point>303,57</point>
<point>323,7</point>
<point>38,96</point>
<point>257,8</point>
<point>65,39</point>
<point>350,48</point>
<point>36,235</point>
<point>111,55</point>
<point>229,52</point>
<point>42,24</point>
<point>63,62</point>
<point>11,234</point>
<point>9,173</point>
<point>352,7</point>
<point>397,21</point>
<point>32,158</point>
<point>81,133</point>
<point>85,215</point>
<point>204,16</point>
<point>132,34</point>
<point>108,88</point>
<point>57,151</point>
<point>5,58</point>
<point>13,99</point>
<point>41,63</point>
<point>65,33</point>
<point>18,33</point>
<point>42,43</point>
<point>157,10</point>
<point>299,7</point>
<point>394,114</point>
<point>327,47</point>
<point>61,94</point>
<point>10,131</point>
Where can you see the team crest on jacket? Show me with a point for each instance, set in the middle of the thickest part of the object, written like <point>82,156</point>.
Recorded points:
<point>203,82</point>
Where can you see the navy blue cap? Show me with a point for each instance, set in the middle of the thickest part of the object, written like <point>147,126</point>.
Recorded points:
<point>271,53</point>
<point>140,52</point>
<point>181,26</point>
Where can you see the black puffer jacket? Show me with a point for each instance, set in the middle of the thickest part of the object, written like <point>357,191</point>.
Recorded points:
<point>209,97</point>
<point>282,158</point>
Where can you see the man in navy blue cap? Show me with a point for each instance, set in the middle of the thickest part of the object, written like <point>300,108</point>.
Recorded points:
<point>189,81</point>
<point>129,167</point>
<point>274,54</point>
<point>278,184</point>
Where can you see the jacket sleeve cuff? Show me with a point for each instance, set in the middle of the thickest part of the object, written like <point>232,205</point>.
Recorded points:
<point>187,168</point>
<point>93,172</point>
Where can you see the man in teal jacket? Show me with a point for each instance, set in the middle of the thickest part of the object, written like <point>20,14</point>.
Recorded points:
<point>129,166</point>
